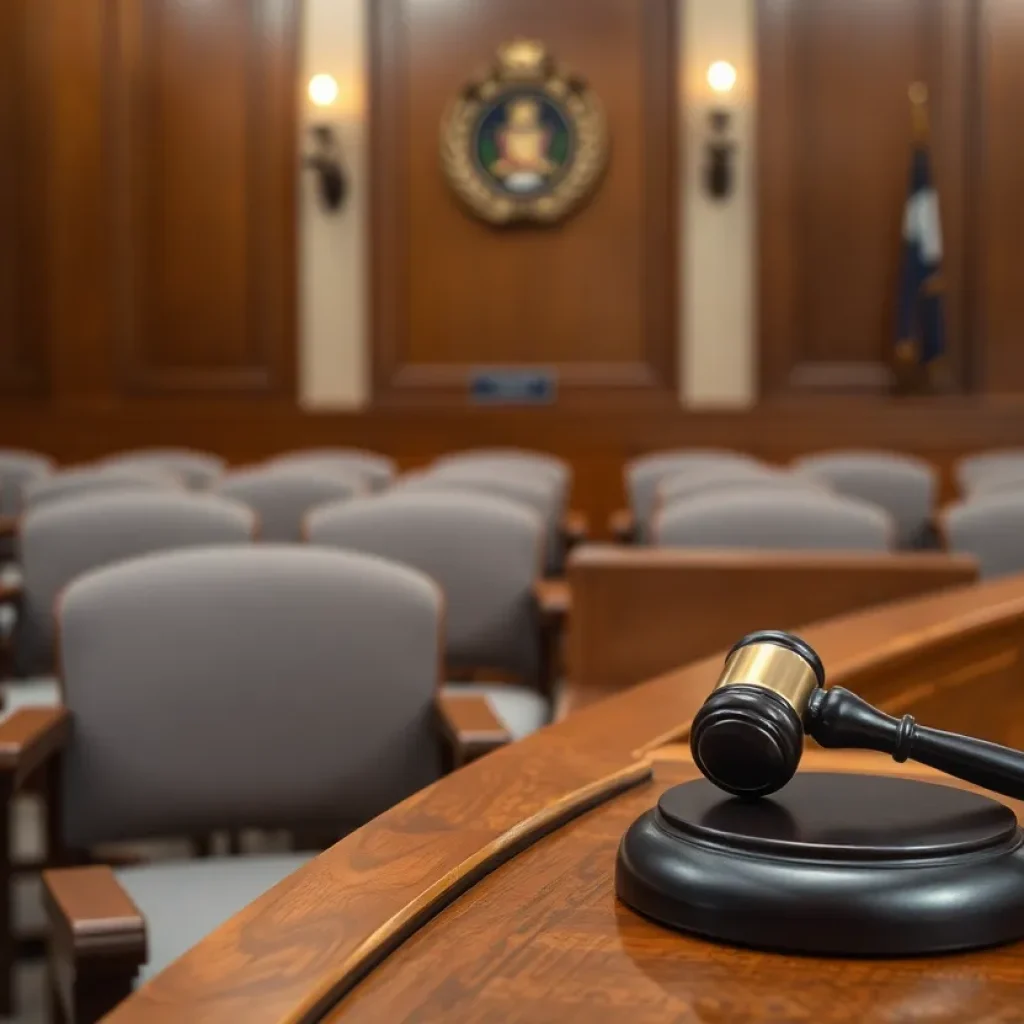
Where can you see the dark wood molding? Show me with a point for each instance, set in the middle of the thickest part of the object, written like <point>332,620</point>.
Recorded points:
<point>596,443</point>
<point>24,206</point>
<point>401,379</point>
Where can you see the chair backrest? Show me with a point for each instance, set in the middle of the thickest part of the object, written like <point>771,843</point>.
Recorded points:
<point>998,483</point>
<point>774,520</point>
<point>282,495</point>
<point>638,612</point>
<point>18,468</point>
<point>971,469</point>
<point>63,540</point>
<point>904,486</point>
<point>544,497</point>
<point>706,479</point>
<point>991,529</point>
<point>378,470</point>
<point>266,686</point>
<point>197,470</point>
<point>540,463</point>
<point>643,475</point>
<point>76,483</point>
<point>484,552</point>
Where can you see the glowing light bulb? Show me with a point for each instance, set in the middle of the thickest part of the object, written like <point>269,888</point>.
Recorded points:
<point>722,77</point>
<point>323,90</point>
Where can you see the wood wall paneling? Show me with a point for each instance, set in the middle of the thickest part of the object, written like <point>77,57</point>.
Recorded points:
<point>834,146</point>
<point>205,194</point>
<point>592,296</point>
<point>23,299</point>
<point>1000,197</point>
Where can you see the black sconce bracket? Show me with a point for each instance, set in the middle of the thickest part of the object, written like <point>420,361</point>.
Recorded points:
<point>326,162</point>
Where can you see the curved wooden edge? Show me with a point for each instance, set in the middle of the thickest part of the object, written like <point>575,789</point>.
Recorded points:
<point>323,928</point>
<point>8,526</point>
<point>455,882</point>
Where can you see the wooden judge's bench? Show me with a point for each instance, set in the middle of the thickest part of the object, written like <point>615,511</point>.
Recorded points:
<point>490,895</point>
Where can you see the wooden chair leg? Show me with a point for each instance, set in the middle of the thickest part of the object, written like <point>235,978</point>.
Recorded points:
<point>91,994</point>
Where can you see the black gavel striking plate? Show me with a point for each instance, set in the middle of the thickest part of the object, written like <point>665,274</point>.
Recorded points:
<point>832,865</point>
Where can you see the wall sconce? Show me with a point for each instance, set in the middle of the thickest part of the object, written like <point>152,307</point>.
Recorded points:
<point>720,149</point>
<point>325,160</point>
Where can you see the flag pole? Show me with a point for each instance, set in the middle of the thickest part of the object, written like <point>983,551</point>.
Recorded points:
<point>919,112</point>
<point>906,350</point>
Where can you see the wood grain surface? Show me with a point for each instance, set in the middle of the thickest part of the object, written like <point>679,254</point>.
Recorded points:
<point>544,939</point>
<point>639,612</point>
<point>295,951</point>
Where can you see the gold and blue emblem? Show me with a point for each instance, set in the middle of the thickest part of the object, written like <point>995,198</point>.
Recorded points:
<point>526,142</point>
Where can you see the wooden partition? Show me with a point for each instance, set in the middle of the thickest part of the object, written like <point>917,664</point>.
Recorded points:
<point>314,947</point>
<point>638,612</point>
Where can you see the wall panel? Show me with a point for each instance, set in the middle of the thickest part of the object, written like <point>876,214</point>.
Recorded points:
<point>834,144</point>
<point>206,106</point>
<point>23,292</point>
<point>999,264</point>
<point>594,295</point>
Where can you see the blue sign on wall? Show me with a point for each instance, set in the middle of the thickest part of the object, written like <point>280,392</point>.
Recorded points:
<point>513,387</point>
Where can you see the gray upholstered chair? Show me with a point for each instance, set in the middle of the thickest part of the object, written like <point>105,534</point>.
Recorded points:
<point>643,475</point>
<point>485,553</point>
<point>904,486</point>
<point>197,470</point>
<point>543,496</point>
<point>282,495</point>
<point>83,480</point>
<point>972,469</point>
<point>774,520</point>
<point>729,476</point>
<point>379,470</point>
<point>61,541</point>
<point>538,463</point>
<point>989,527</point>
<point>569,528</point>
<point>18,468</point>
<point>273,687</point>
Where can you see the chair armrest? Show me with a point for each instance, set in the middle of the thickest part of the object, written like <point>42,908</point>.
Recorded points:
<point>470,726</point>
<point>622,526</point>
<point>29,738</point>
<point>554,601</point>
<point>8,526</point>
<point>575,528</point>
<point>97,940</point>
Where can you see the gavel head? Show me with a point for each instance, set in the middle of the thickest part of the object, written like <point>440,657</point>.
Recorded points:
<point>748,736</point>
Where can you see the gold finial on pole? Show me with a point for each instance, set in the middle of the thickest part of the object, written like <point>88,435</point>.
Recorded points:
<point>919,111</point>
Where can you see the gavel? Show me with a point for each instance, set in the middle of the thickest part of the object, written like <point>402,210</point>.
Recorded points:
<point>748,736</point>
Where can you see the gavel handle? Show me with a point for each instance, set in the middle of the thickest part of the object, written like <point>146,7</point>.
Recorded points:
<point>837,718</point>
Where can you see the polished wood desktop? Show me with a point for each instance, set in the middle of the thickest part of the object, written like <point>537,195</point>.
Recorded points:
<point>375,929</point>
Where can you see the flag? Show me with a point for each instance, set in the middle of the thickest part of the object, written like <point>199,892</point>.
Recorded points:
<point>921,333</point>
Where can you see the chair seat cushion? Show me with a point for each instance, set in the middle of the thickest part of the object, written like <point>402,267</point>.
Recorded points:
<point>37,692</point>
<point>520,709</point>
<point>183,901</point>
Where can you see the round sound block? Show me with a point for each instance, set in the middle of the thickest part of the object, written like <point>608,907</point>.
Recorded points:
<point>833,865</point>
